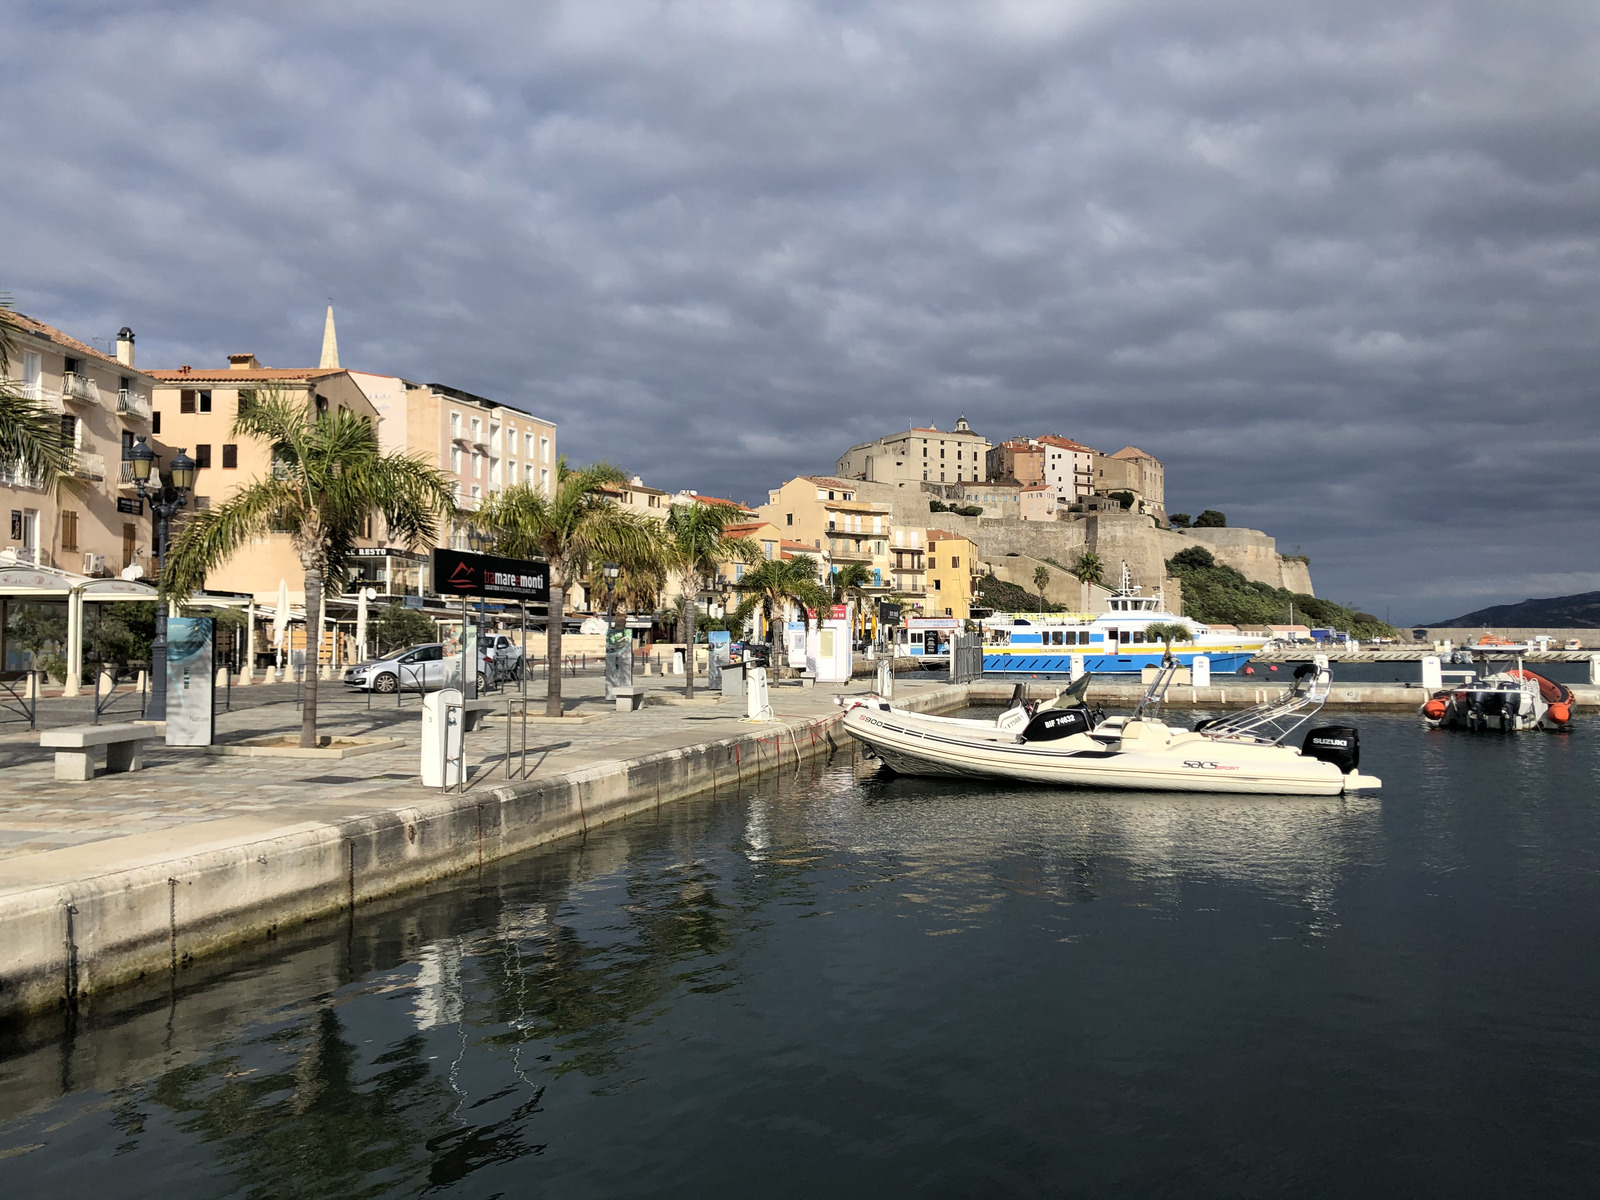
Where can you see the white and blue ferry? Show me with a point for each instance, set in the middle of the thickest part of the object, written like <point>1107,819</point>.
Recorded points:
<point>1111,643</point>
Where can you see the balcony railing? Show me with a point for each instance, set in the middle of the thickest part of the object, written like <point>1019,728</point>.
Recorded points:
<point>851,554</point>
<point>79,388</point>
<point>89,466</point>
<point>131,404</point>
<point>13,475</point>
<point>125,475</point>
<point>46,398</point>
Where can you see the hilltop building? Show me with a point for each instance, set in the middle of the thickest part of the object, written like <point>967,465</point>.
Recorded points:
<point>1017,460</point>
<point>924,455</point>
<point>1131,470</point>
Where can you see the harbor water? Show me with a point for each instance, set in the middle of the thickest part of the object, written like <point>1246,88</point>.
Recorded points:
<point>836,983</point>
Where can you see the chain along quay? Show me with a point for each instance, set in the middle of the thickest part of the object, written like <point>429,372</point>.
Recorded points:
<point>136,876</point>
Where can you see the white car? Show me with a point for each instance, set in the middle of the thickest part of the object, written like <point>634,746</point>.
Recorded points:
<point>416,668</point>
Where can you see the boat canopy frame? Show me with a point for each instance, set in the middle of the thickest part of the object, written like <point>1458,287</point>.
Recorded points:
<point>1273,720</point>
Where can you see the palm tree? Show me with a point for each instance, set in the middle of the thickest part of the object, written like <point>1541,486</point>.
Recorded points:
<point>778,582</point>
<point>696,545</point>
<point>1088,569</point>
<point>571,529</point>
<point>1168,632</point>
<point>30,436</point>
<point>329,476</point>
<point>848,585</point>
<point>1041,580</point>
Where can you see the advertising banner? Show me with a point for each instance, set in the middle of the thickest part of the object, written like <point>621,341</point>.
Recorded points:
<point>190,718</point>
<point>462,573</point>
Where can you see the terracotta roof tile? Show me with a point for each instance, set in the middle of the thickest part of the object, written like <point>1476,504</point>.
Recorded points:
<point>27,324</point>
<point>255,374</point>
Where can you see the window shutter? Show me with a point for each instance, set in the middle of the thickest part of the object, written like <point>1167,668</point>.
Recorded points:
<point>230,455</point>
<point>186,400</point>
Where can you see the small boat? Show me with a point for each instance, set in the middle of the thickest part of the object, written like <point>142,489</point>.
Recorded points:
<point>1063,741</point>
<point>1111,643</point>
<point>1509,700</point>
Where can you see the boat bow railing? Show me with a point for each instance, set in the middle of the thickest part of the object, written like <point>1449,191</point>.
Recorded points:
<point>1273,720</point>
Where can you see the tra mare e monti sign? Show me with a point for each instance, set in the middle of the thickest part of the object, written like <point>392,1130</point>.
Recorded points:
<point>462,573</point>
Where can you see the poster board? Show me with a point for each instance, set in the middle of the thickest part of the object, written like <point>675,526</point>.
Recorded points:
<point>191,720</point>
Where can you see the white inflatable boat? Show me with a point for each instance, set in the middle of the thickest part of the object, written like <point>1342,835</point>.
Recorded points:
<point>1062,741</point>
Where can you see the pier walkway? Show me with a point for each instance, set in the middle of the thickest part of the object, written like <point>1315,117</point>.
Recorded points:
<point>123,876</point>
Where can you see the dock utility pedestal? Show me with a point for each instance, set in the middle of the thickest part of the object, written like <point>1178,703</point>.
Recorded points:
<point>75,748</point>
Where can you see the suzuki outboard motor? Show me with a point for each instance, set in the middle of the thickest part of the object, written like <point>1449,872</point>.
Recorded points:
<point>1054,723</point>
<point>1336,744</point>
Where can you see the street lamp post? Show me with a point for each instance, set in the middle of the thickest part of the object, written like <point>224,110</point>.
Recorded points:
<point>611,571</point>
<point>614,668</point>
<point>164,501</point>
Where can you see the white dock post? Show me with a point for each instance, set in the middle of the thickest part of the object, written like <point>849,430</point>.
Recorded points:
<point>1200,671</point>
<point>1594,668</point>
<point>1076,666</point>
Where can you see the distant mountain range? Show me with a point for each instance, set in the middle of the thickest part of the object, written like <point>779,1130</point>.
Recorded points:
<point>1581,611</point>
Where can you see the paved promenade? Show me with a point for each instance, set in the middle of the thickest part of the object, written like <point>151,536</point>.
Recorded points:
<point>107,881</point>
<point>182,793</point>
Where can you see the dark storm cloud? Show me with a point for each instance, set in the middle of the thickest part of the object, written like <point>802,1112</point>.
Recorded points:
<point>1334,264</point>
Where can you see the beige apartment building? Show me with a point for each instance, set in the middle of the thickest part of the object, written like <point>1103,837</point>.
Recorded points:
<point>655,503</point>
<point>925,455</point>
<point>909,566</point>
<point>764,535</point>
<point>822,514</point>
<point>93,525</point>
<point>1131,469</point>
<point>195,410</point>
<point>482,445</point>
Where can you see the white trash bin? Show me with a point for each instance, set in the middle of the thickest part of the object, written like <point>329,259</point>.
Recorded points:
<point>441,738</point>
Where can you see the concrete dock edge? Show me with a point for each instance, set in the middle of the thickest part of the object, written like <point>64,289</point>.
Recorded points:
<point>66,943</point>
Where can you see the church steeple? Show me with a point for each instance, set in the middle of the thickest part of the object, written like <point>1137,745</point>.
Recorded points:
<point>330,342</point>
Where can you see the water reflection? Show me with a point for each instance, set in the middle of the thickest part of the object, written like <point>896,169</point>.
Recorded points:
<point>673,967</point>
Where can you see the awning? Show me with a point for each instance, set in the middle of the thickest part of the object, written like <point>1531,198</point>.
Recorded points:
<point>39,583</point>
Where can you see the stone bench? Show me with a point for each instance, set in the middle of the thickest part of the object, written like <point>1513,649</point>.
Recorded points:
<point>75,748</point>
<point>628,698</point>
<point>474,711</point>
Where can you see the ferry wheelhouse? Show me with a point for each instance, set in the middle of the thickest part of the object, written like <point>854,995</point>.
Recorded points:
<point>1111,643</point>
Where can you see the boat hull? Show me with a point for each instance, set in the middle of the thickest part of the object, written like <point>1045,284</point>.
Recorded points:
<point>1190,763</point>
<point>1016,662</point>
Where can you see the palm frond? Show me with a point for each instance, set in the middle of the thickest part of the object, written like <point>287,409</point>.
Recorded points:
<point>30,439</point>
<point>207,539</point>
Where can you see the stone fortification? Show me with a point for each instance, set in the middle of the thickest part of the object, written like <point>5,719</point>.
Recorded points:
<point>1116,537</point>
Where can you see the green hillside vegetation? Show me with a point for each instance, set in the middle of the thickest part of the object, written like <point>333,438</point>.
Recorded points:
<point>1001,596</point>
<point>1217,594</point>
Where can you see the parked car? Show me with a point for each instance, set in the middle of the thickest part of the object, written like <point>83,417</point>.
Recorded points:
<point>505,652</point>
<point>421,668</point>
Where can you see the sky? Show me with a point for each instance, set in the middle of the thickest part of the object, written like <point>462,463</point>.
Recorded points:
<point>1334,264</point>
